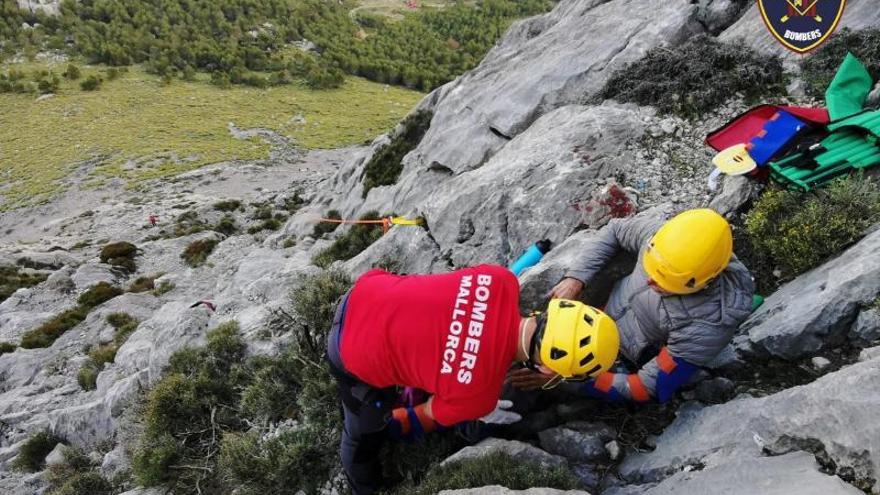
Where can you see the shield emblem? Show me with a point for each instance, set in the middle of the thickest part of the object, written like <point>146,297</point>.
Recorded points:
<point>801,25</point>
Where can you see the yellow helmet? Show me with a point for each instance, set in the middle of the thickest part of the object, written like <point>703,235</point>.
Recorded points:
<point>578,340</point>
<point>689,251</point>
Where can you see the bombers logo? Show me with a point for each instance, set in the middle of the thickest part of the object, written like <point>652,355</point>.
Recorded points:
<point>801,25</point>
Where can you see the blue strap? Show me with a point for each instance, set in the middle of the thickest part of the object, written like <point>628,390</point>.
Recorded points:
<point>668,383</point>
<point>612,395</point>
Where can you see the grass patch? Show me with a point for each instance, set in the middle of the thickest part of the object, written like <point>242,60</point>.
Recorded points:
<point>98,294</point>
<point>796,232</point>
<point>197,252</point>
<point>32,454</point>
<point>12,279</point>
<point>385,165</point>
<point>164,287</point>
<point>6,347</point>
<point>821,66</point>
<point>268,224</point>
<point>351,243</point>
<point>165,130</point>
<point>143,284</point>
<point>693,78</point>
<point>228,205</point>
<point>493,469</point>
<point>87,376</point>
<point>226,226</point>
<point>48,332</point>
<point>322,228</point>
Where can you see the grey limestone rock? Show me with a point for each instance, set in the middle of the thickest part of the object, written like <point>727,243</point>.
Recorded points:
<point>90,274</point>
<point>866,329</point>
<point>796,472</point>
<point>808,418</point>
<point>572,444</point>
<point>515,449</point>
<point>817,308</point>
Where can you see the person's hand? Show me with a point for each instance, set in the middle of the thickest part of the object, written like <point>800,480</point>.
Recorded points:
<point>567,288</point>
<point>501,415</point>
<point>526,379</point>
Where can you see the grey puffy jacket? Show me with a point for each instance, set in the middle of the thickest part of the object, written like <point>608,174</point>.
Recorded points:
<point>693,328</point>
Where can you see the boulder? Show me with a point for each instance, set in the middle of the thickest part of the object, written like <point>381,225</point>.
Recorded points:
<point>735,193</point>
<point>816,309</point>
<point>541,64</point>
<point>518,450</point>
<point>869,353</point>
<point>750,28</point>
<point>500,490</point>
<point>796,472</point>
<point>717,15</point>
<point>93,273</point>
<point>56,457</point>
<point>866,329</point>
<point>805,418</point>
<point>573,445</point>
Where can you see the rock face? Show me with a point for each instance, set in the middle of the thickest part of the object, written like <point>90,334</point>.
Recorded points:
<point>572,444</point>
<point>47,6</point>
<point>817,308</point>
<point>808,418</point>
<point>750,29</point>
<point>797,472</point>
<point>557,62</point>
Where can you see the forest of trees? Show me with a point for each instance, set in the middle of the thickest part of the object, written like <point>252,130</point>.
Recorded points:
<point>250,41</point>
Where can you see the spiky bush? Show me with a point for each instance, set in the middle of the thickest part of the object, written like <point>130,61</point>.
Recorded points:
<point>32,454</point>
<point>351,243</point>
<point>48,332</point>
<point>7,347</point>
<point>98,294</point>
<point>386,163</point>
<point>12,279</point>
<point>693,78</point>
<point>798,231</point>
<point>322,228</point>
<point>120,254</point>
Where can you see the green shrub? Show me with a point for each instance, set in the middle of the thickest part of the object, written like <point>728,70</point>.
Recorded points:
<point>314,302</point>
<point>143,284</point>
<point>493,469</point>
<point>322,228</point>
<point>821,66</point>
<point>72,72</point>
<point>289,243</point>
<point>98,294</point>
<point>151,463</point>
<point>402,462</point>
<point>120,254</point>
<point>48,332</point>
<point>12,279</point>
<point>270,224</point>
<point>103,354</point>
<point>7,347</point>
<point>124,324</point>
<point>350,244</point>
<point>796,232</point>
<point>75,462</point>
<point>272,392</point>
<point>226,226</point>
<point>263,212</point>
<point>32,454</point>
<point>197,252</point>
<point>693,78</point>
<point>88,483</point>
<point>164,287</point>
<point>227,205</point>
<point>294,202</point>
<point>385,166</point>
<point>293,461</point>
<point>87,377</point>
<point>91,83</point>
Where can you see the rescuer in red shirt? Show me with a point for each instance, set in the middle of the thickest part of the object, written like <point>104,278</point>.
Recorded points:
<point>453,335</point>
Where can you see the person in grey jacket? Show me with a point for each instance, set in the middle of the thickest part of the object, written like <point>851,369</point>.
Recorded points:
<point>675,312</point>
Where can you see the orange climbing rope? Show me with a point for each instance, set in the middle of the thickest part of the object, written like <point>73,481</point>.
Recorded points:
<point>386,222</point>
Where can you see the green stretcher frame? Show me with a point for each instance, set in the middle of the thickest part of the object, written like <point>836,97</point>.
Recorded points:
<point>854,144</point>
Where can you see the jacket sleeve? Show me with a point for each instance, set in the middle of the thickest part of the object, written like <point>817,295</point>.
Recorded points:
<point>628,234</point>
<point>688,348</point>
